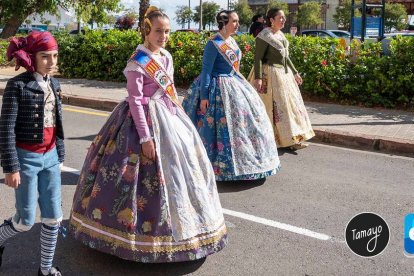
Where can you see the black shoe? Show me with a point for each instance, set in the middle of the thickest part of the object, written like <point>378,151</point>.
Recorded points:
<point>54,271</point>
<point>1,254</point>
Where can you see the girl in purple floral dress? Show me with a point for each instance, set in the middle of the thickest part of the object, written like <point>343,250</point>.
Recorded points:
<point>147,190</point>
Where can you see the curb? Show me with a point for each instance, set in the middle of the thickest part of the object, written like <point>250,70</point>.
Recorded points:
<point>335,137</point>
<point>365,142</point>
<point>104,105</point>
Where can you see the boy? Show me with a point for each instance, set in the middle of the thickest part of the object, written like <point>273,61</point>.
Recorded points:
<point>31,143</point>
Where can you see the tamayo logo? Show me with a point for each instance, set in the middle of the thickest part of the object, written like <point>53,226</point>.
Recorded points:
<point>367,234</point>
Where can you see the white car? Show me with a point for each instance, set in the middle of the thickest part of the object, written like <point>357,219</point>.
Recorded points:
<point>386,41</point>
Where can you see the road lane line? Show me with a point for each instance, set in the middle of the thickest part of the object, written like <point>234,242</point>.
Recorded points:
<point>85,112</point>
<point>70,170</point>
<point>268,222</point>
<point>279,225</point>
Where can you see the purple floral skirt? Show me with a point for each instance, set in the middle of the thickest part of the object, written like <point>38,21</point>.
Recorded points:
<point>119,205</point>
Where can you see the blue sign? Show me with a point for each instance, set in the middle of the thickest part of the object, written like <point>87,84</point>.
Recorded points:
<point>372,27</point>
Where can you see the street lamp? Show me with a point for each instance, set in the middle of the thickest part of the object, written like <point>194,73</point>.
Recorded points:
<point>201,15</point>
<point>189,8</point>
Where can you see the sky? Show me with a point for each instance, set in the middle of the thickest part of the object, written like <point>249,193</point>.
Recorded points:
<point>169,6</point>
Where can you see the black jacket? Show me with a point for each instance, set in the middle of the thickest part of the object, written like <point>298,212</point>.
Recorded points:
<point>22,118</point>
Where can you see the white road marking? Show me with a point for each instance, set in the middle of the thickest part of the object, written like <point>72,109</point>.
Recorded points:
<point>268,222</point>
<point>279,225</point>
<point>71,170</point>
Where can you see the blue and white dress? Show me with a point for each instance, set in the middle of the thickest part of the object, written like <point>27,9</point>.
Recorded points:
<point>235,130</point>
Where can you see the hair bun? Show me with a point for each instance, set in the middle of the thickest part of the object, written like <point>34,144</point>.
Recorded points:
<point>150,10</point>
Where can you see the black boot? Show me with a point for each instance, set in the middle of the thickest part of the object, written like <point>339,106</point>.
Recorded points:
<point>54,271</point>
<point>1,254</point>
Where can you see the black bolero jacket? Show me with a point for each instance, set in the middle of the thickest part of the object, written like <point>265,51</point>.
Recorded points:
<point>22,118</point>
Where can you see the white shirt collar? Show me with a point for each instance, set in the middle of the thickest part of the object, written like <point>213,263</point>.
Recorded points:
<point>39,78</point>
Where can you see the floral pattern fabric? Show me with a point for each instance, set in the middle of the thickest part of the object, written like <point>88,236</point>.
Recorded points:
<point>122,204</point>
<point>235,129</point>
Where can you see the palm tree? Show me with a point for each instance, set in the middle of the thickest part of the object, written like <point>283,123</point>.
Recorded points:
<point>143,6</point>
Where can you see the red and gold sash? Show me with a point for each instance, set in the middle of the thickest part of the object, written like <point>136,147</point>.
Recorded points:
<point>156,72</point>
<point>229,54</point>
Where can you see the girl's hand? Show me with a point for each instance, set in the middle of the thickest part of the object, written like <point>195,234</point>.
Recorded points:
<point>148,149</point>
<point>298,79</point>
<point>203,106</point>
<point>13,179</point>
<point>258,85</point>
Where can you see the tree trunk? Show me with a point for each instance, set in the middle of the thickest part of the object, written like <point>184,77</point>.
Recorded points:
<point>143,6</point>
<point>12,26</point>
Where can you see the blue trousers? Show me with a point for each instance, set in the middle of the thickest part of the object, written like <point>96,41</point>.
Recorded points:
<point>40,182</point>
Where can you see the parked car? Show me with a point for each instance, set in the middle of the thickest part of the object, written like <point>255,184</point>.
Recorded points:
<point>75,32</point>
<point>340,33</point>
<point>319,33</point>
<point>329,33</point>
<point>386,41</point>
<point>28,30</point>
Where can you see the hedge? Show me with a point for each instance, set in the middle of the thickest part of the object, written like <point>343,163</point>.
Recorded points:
<point>3,49</point>
<point>331,71</point>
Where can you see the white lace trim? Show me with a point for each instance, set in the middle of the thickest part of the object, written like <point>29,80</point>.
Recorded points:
<point>240,97</point>
<point>145,139</point>
<point>275,40</point>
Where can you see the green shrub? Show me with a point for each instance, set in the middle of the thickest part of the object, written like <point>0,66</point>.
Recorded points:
<point>3,49</point>
<point>363,76</point>
<point>99,55</point>
<point>359,75</point>
<point>187,51</point>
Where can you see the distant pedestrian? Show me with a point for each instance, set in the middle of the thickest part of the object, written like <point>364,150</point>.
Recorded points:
<point>31,144</point>
<point>257,25</point>
<point>228,113</point>
<point>147,191</point>
<point>277,81</point>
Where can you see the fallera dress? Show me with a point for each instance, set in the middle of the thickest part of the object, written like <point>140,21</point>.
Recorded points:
<point>162,210</point>
<point>235,130</point>
<point>281,94</point>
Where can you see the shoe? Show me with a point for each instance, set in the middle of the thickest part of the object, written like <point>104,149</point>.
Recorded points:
<point>299,146</point>
<point>1,254</point>
<point>54,271</point>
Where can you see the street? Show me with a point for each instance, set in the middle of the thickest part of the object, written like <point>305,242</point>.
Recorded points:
<point>291,224</point>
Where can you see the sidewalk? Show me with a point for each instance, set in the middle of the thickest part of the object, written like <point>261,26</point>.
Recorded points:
<point>390,131</point>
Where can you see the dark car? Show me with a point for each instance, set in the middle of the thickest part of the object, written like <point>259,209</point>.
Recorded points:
<point>75,32</point>
<point>340,33</point>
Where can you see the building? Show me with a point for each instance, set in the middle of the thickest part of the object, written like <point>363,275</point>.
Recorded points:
<point>65,19</point>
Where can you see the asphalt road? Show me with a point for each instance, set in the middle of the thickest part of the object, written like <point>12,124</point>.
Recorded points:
<point>318,189</point>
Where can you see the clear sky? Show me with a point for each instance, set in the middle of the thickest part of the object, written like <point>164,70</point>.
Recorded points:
<point>170,7</point>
